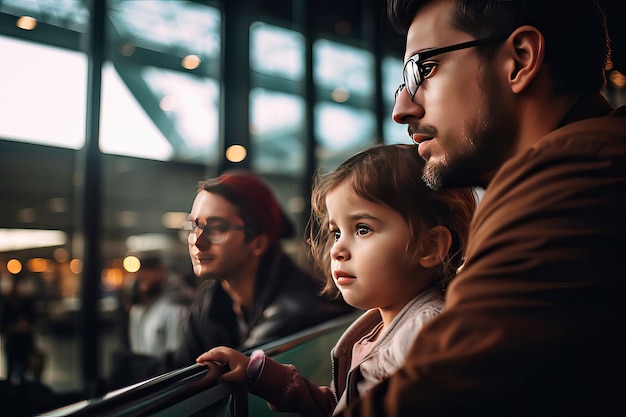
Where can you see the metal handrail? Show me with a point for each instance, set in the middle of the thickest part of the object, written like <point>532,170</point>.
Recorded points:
<point>152,397</point>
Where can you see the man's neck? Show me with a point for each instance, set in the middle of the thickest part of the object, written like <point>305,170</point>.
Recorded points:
<point>540,118</point>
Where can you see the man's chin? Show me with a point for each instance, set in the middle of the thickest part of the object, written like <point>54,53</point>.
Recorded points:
<point>437,176</point>
<point>432,175</point>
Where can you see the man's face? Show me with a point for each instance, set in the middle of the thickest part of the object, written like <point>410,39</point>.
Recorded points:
<point>225,260</point>
<point>460,114</point>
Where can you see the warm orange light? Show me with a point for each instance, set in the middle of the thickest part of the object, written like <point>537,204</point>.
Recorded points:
<point>191,62</point>
<point>112,278</point>
<point>236,153</point>
<point>37,265</point>
<point>26,23</point>
<point>14,266</point>
<point>76,266</point>
<point>132,263</point>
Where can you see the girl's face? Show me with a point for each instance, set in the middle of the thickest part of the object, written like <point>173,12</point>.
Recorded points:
<point>369,260</point>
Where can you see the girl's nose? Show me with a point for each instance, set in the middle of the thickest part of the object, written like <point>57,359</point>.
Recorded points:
<point>339,252</point>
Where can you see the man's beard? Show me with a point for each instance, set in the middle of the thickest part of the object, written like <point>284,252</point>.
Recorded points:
<point>456,168</point>
<point>433,174</point>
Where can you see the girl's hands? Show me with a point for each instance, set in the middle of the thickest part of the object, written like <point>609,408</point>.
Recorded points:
<point>237,363</point>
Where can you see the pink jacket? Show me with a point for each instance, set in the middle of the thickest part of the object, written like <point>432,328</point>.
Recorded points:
<point>286,390</point>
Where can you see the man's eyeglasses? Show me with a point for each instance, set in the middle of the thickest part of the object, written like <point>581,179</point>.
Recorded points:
<point>216,231</point>
<point>415,70</point>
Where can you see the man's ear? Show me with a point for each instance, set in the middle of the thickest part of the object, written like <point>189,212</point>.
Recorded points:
<point>435,247</point>
<point>259,244</point>
<point>527,48</point>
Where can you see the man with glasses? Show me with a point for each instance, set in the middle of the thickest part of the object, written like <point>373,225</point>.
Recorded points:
<point>506,95</point>
<point>253,292</point>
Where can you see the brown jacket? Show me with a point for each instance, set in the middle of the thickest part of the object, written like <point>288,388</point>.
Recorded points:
<point>533,325</point>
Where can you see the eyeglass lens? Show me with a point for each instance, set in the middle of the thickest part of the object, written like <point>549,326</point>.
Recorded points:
<point>216,233</point>
<point>412,77</point>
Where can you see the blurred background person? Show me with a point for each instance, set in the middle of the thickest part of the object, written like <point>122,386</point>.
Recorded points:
<point>157,321</point>
<point>158,318</point>
<point>23,392</point>
<point>17,319</point>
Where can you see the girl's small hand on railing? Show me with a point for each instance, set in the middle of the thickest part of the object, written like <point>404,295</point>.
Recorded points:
<point>214,371</point>
<point>228,365</point>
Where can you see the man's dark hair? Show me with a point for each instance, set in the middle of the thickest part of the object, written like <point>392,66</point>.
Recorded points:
<point>575,32</point>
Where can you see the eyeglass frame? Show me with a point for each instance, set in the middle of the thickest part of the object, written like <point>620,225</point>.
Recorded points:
<point>419,58</point>
<point>192,227</point>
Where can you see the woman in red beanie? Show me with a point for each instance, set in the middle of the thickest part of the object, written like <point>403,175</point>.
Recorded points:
<point>254,292</point>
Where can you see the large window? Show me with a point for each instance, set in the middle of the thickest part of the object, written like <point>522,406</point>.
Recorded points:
<point>42,106</point>
<point>345,119</point>
<point>161,86</point>
<point>159,126</point>
<point>392,77</point>
<point>276,100</point>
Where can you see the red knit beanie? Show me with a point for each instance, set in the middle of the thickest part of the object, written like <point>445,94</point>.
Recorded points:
<point>259,200</point>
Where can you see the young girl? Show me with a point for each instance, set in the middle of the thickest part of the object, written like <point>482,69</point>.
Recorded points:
<point>390,246</point>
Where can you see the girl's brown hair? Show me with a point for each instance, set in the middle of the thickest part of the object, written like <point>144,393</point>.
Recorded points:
<point>391,175</point>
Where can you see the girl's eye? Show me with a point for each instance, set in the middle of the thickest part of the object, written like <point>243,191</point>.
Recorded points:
<point>362,230</point>
<point>428,69</point>
<point>336,234</point>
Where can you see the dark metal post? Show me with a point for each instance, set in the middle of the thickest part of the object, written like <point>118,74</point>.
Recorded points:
<point>235,85</point>
<point>304,17</point>
<point>372,37</point>
<point>90,205</point>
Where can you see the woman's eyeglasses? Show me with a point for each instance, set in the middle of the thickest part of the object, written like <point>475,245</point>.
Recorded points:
<point>215,231</point>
